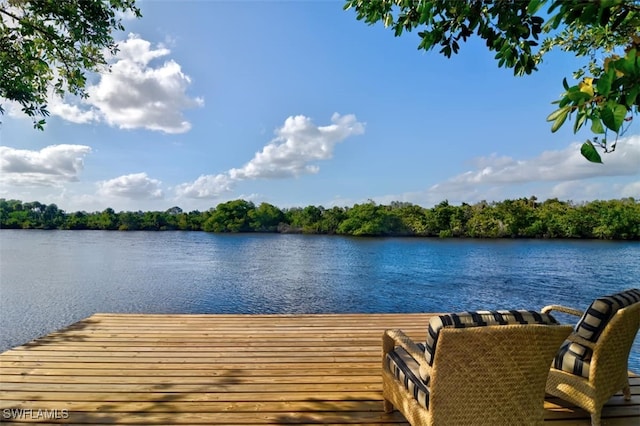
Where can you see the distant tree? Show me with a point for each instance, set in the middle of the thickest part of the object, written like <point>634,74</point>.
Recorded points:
<point>130,221</point>
<point>605,31</point>
<point>191,221</point>
<point>49,46</point>
<point>175,210</point>
<point>613,219</point>
<point>77,221</point>
<point>370,219</point>
<point>107,220</point>
<point>550,220</point>
<point>52,217</point>
<point>516,215</point>
<point>485,222</point>
<point>442,217</point>
<point>266,218</point>
<point>414,218</point>
<point>331,220</point>
<point>307,220</point>
<point>232,216</point>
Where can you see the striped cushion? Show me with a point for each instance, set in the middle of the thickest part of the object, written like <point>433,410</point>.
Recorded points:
<point>405,370</point>
<point>596,318</point>
<point>477,319</point>
<point>575,358</point>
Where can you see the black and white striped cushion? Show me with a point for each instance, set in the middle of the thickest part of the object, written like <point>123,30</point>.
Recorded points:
<point>576,358</point>
<point>405,369</point>
<point>596,318</point>
<point>477,319</point>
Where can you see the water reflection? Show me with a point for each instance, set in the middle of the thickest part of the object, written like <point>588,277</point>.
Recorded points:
<point>52,278</point>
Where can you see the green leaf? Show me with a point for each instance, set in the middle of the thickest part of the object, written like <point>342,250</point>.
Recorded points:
<point>627,64</point>
<point>534,6</point>
<point>580,119</point>
<point>596,126</point>
<point>564,101</point>
<point>632,97</point>
<point>555,114</point>
<point>589,152</point>
<point>565,84</point>
<point>613,115</point>
<point>605,81</point>
<point>560,119</point>
<point>577,96</point>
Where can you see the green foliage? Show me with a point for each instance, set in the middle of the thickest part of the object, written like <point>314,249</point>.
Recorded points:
<point>306,220</point>
<point>51,45</point>
<point>232,216</point>
<point>370,220</point>
<point>507,27</point>
<point>589,152</point>
<point>605,31</point>
<point>266,218</point>
<point>521,218</point>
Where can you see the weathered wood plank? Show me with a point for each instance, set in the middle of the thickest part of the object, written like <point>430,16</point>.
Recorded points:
<point>223,369</point>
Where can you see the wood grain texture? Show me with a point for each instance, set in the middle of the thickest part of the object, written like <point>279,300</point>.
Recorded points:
<point>222,370</point>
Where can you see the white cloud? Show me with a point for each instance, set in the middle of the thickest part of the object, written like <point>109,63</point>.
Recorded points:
<point>125,16</point>
<point>298,145</point>
<point>563,174</point>
<point>206,186</point>
<point>72,112</point>
<point>51,166</point>
<point>565,165</point>
<point>135,93</point>
<point>135,186</point>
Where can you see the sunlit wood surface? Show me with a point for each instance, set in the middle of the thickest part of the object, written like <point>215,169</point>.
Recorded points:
<point>221,369</point>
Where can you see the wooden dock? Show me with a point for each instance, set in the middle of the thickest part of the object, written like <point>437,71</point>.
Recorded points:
<point>222,369</point>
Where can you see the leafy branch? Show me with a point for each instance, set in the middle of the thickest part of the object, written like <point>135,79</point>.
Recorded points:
<point>607,97</point>
<point>47,45</point>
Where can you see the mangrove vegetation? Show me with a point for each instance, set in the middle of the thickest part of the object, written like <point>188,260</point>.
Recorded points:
<point>520,218</point>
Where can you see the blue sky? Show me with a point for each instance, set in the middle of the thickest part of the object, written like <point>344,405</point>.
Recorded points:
<point>297,103</point>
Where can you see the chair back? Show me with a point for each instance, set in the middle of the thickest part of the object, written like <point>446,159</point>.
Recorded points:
<point>493,375</point>
<point>609,363</point>
<point>600,312</point>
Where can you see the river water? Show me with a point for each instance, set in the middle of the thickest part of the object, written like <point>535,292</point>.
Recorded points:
<point>50,279</point>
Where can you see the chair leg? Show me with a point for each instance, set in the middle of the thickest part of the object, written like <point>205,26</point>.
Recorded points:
<point>626,391</point>
<point>388,406</point>
<point>595,418</point>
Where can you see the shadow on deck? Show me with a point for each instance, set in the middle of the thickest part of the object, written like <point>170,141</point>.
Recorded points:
<point>222,369</point>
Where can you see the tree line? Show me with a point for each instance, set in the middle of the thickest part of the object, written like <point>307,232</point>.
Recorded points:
<point>520,218</point>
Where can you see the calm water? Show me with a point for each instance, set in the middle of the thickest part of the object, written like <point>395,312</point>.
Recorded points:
<point>49,279</point>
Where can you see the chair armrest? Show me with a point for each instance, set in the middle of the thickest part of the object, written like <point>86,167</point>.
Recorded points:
<point>393,338</point>
<point>562,309</point>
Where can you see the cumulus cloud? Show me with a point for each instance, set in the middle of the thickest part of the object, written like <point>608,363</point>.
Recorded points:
<point>298,145</point>
<point>136,186</point>
<point>206,186</point>
<point>135,93</point>
<point>563,174</point>
<point>564,165</point>
<point>50,166</point>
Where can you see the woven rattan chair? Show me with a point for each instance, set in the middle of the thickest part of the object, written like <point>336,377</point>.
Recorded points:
<point>592,364</point>
<point>480,375</point>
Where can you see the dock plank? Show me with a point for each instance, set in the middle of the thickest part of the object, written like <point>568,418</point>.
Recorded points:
<point>222,370</point>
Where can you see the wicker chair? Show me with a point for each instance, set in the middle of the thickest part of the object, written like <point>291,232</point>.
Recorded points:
<point>592,364</point>
<point>480,375</point>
